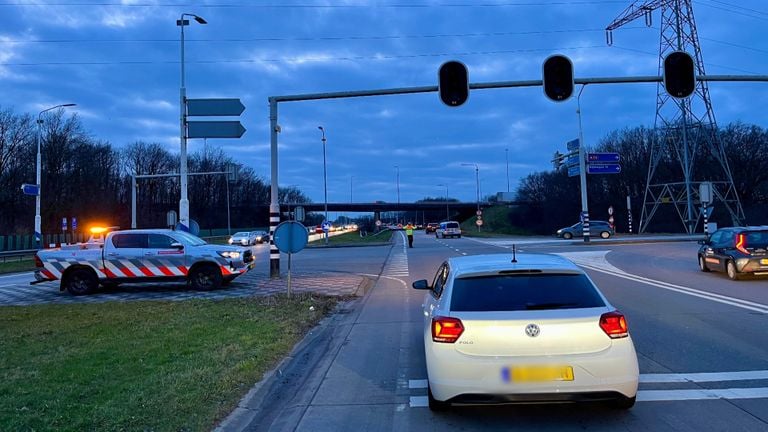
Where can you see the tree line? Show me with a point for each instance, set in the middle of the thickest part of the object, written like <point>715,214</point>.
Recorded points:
<point>555,199</point>
<point>87,179</point>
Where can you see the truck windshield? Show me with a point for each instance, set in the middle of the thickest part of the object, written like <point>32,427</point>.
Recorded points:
<point>188,239</point>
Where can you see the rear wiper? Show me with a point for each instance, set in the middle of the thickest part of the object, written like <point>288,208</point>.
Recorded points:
<point>540,306</point>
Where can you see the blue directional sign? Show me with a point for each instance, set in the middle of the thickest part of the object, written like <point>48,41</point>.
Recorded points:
<point>30,189</point>
<point>214,107</point>
<point>572,145</point>
<point>572,160</point>
<point>602,157</point>
<point>573,170</point>
<point>63,224</point>
<point>326,226</point>
<point>74,223</point>
<point>215,129</point>
<point>605,168</point>
<point>290,237</point>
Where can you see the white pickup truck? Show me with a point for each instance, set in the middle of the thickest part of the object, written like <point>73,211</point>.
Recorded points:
<point>151,255</point>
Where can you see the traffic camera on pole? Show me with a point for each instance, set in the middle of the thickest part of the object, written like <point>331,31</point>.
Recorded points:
<point>557,78</point>
<point>453,83</point>
<point>679,74</point>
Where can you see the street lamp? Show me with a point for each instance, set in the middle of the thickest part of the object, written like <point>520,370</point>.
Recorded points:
<point>397,167</point>
<point>506,151</point>
<point>184,201</point>
<point>477,180</point>
<point>38,219</point>
<point>446,201</point>
<point>325,183</point>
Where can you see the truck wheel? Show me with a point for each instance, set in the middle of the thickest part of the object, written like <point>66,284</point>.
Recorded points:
<point>205,278</point>
<point>81,281</point>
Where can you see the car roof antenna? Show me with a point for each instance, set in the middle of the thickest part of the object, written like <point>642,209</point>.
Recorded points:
<point>514,256</point>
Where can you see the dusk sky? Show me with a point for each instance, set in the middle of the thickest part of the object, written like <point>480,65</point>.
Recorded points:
<point>119,62</point>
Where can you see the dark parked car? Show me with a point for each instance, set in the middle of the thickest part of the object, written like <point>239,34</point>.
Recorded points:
<point>431,227</point>
<point>737,251</point>
<point>596,228</point>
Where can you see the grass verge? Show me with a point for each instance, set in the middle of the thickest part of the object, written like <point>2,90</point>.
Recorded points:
<point>353,239</point>
<point>159,366</point>
<point>17,266</point>
<point>495,223</point>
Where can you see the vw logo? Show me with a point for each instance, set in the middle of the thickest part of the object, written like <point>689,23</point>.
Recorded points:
<point>532,330</point>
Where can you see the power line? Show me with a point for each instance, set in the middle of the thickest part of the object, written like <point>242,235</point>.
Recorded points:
<point>318,38</point>
<point>305,59</point>
<point>327,6</point>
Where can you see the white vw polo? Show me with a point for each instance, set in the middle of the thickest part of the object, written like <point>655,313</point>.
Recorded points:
<point>528,328</point>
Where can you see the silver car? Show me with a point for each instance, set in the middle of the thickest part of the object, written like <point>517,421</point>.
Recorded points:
<point>531,328</point>
<point>244,238</point>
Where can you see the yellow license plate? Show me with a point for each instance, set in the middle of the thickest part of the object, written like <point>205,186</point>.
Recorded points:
<point>523,374</point>
<point>764,261</point>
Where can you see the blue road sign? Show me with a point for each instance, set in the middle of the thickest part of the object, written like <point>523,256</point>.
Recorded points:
<point>63,224</point>
<point>290,237</point>
<point>215,129</point>
<point>572,145</point>
<point>572,160</point>
<point>74,223</point>
<point>214,107</point>
<point>326,226</point>
<point>30,189</point>
<point>573,170</point>
<point>604,168</point>
<point>602,157</point>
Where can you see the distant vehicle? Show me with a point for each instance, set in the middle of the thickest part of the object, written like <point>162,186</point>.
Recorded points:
<point>596,228</point>
<point>262,237</point>
<point>431,227</point>
<point>448,229</point>
<point>244,238</point>
<point>527,329</point>
<point>133,256</point>
<point>738,251</point>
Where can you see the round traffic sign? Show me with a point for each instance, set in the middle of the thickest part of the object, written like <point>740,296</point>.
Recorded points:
<point>479,222</point>
<point>290,237</point>
<point>479,212</point>
<point>378,223</point>
<point>610,219</point>
<point>610,210</point>
<point>326,226</point>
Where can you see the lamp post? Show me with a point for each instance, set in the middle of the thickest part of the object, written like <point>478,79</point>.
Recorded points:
<point>184,201</point>
<point>506,156</point>
<point>446,201</point>
<point>583,173</point>
<point>397,180</point>
<point>38,165</point>
<point>325,183</point>
<point>477,181</point>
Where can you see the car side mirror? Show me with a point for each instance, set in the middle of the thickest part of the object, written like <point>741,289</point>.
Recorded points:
<point>421,284</point>
<point>178,246</point>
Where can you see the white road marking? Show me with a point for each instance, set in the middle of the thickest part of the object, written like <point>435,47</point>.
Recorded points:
<point>704,377</point>
<point>595,260</point>
<point>15,275</point>
<point>417,384</point>
<point>699,394</point>
<point>419,402</point>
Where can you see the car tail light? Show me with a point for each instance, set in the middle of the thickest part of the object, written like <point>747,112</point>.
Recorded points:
<point>614,325</point>
<point>446,329</point>
<point>38,261</point>
<point>741,244</point>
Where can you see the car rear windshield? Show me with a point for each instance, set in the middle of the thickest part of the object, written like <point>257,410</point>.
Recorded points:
<point>545,291</point>
<point>756,239</point>
<point>452,225</point>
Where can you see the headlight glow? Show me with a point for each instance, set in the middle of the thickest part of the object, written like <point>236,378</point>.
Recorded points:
<point>230,254</point>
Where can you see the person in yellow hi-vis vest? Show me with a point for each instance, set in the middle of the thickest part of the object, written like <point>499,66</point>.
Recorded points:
<point>409,233</point>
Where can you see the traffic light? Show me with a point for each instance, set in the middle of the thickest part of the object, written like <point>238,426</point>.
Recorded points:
<point>558,78</point>
<point>453,83</point>
<point>679,74</point>
<point>558,159</point>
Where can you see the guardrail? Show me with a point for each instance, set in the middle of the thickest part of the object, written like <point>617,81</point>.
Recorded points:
<point>17,255</point>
